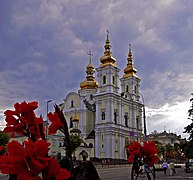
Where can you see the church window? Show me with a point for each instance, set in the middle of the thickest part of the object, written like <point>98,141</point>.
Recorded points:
<point>135,89</point>
<point>113,79</point>
<point>127,88</point>
<point>72,103</point>
<point>115,116</point>
<point>116,146</point>
<point>137,123</point>
<point>126,120</point>
<point>71,124</point>
<point>102,146</point>
<point>104,79</point>
<point>103,115</point>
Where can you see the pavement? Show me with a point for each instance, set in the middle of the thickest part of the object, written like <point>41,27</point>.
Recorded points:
<point>180,173</point>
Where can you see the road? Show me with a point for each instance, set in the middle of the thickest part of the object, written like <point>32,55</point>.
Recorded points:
<point>123,173</point>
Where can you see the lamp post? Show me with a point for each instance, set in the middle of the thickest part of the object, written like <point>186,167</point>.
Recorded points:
<point>144,118</point>
<point>47,118</point>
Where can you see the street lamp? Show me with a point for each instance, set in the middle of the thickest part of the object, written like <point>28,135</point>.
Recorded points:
<point>144,119</point>
<point>47,118</point>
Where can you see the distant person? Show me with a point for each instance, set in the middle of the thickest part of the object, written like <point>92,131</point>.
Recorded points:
<point>171,168</point>
<point>165,167</point>
<point>187,166</point>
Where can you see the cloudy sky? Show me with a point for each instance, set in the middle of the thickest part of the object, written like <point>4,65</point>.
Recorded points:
<point>44,45</point>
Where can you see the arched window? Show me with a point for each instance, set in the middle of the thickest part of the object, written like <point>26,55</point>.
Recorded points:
<point>113,79</point>
<point>104,79</point>
<point>115,117</point>
<point>127,88</point>
<point>135,89</point>
<point>71,124</point>
<point>103,115</point>
<point>137,122</point>
<point>72,103</point>
<point>126,120</point>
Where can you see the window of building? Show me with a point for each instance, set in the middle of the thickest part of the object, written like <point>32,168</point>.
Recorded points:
<point>72,103</point>
<point>115,116</point>
<point>116,146</point>
<point>127,88</point>
<point>102,146</point>
<point>126,120</point>
<point>135,89</point>
<point>137,122</point>
<point>71,124</point>
<point>104,79</point>
<point>113,79</point>
<point>103,115</point>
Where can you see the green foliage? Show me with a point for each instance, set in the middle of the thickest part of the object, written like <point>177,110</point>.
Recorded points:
<point>160,148</point>
<point>189,128</point>
<point>4,139</point>
<point>187,149</point>
<point>75,143</point>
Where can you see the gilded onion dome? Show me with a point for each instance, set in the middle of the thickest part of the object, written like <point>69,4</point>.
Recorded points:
<point>75,121</point>
<point>107,58</point>
<point>130,70</point>
<point>90,82</point>
<point>75,118</point>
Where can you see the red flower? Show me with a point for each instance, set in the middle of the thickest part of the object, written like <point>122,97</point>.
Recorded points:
<point>134,149</point>
<point>53,170</point>
<point>56,123</point>
<point>23,120</point>
<point>148,152</point>
<point>30,160</point>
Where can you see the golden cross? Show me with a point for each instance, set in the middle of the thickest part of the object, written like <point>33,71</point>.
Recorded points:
<point>90,54</point>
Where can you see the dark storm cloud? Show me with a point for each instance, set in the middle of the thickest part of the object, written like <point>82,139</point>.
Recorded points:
<point>44,45</point>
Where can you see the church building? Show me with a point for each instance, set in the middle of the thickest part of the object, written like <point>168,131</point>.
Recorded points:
<point>106,117</point>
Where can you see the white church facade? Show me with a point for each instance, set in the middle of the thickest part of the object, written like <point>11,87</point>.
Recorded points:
<point>107,117</point>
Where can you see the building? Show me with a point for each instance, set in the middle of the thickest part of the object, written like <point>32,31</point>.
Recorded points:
<point>107,117</point>
<point>166,138</point>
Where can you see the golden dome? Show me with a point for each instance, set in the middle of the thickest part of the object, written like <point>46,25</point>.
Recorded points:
<point>130,70</point>
<point>107,58</point>
<point>75,118</point>
<point>90,82</point>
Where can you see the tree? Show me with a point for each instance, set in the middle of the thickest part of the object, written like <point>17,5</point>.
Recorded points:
<point>188,146</point>
<point>189,128</point>
<point>4,139</point>
<point>75,143</point>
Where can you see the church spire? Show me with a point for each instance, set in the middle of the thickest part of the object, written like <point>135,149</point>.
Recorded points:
<point>108,44</point>
<point>130,70</point>
<point>107,58</point>
<point>90,82</point>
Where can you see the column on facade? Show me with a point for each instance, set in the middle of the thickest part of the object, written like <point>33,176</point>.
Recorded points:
<point>108,145</point>
<point>97,114</point>
<point>134,117</point>
<point>122,146</point>
<point>97,144</point>
<point>131,117</point>
<point>120,111</point>
<point>113,145</point>
<point>109,110</point>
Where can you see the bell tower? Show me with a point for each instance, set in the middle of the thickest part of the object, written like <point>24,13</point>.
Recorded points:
<point>130,81</point>
<point>107,71</point>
